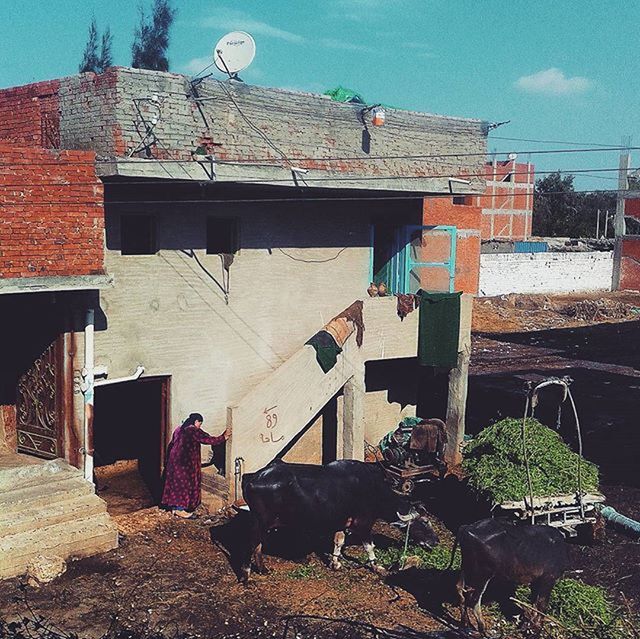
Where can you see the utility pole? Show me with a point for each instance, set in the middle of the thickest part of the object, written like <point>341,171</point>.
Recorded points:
<point>598,226</point>
<point>623,185</point>
<point>606,222</point>
<point>619,222</point>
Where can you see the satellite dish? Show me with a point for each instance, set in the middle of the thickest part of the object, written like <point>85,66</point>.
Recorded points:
<point>234,52</point>
<point>512,156</point>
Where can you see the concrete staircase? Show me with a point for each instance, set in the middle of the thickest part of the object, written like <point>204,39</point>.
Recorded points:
<point>48,508</point>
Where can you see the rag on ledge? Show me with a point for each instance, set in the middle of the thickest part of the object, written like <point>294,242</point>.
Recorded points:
<point>438,329</point>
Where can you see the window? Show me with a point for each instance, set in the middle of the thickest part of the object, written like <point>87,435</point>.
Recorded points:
<point>461,200</point>
<point>410,257</point>
<point>138,235</point>
<point>384,254</point>
<point>222,235</point>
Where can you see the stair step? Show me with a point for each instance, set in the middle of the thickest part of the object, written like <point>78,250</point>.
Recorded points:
<point>56,512</point>
<point>41,495</point>
<point>68,539</point>
<point>26,471</point>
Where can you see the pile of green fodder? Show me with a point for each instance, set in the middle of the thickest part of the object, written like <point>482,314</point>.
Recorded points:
<point>495,468</point>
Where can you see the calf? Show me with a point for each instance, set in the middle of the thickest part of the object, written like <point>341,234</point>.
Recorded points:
<point>345,496</point>
<point>520,554</point>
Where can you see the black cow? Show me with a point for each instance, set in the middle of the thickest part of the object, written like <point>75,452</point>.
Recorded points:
<point>520,554</point>
<point>345,496</point>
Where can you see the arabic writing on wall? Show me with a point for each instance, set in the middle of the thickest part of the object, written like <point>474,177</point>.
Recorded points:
<point>269,434</point>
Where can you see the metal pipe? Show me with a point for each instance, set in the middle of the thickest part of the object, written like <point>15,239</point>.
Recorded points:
<point>87,372</point>
<point>615,518</point>
<point>117,380</point>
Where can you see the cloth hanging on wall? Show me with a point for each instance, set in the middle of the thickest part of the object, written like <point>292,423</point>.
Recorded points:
<point>327,350</point>
<point>439,329</point>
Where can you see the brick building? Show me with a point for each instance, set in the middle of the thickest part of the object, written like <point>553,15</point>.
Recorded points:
<point>51,269</point>
<point>507,204</point>
<point>237,221</point>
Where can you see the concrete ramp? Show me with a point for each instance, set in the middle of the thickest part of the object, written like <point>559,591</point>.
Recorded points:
<point>48,508</point>
<point>275,411</point>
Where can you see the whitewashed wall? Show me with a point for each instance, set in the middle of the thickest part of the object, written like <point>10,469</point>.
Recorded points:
<point>545,272</point>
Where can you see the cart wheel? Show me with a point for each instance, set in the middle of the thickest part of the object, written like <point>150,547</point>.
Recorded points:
<point>407,486</point>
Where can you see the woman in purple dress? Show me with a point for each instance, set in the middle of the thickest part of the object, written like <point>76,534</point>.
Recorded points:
<point>183,473</point>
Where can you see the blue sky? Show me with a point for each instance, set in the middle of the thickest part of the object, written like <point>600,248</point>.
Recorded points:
<point>558,69</point>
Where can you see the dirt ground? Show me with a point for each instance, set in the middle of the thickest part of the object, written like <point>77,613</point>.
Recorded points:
<point>175,577</point>
<point>521,313</point>
<point>170,574</point>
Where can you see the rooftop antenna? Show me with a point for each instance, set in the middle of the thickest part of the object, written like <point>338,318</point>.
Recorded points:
<point>234,52</point>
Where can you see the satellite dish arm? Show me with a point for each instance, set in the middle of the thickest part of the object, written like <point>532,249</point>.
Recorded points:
<point>232,76</point>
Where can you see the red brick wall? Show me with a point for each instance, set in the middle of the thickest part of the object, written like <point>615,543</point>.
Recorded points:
<point>630,264</point>
<point>51,213</point>
<point>30,115</point>
<point>467,219</point>
<point>500,199</point>
<point>632,208</point>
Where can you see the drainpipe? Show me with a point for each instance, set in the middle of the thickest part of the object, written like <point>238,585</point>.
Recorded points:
<point>87,373</point>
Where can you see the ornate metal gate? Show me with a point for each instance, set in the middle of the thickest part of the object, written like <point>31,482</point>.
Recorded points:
<point>38,414</point>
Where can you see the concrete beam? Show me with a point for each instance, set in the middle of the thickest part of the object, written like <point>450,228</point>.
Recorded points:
<point>456,407</point>
<point>353,420</point>
<point>13,285</point>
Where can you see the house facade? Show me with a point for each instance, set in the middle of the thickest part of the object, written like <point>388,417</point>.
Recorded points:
<point>237,222</point>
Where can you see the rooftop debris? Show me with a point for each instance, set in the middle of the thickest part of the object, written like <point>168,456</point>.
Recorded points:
<point>494,463</point>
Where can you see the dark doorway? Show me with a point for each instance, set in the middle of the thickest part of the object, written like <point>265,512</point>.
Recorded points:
<point>130,425</point>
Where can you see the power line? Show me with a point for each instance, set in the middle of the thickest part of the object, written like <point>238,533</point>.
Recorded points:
<point>331,178</point>
<point>498,137</point>
<point>268,161</point>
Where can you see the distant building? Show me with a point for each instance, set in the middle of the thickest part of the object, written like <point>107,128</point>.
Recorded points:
<point>507,204</point>
<point>628,246</point>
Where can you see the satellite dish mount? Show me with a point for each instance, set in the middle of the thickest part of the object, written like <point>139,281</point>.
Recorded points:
<point>234,52</point>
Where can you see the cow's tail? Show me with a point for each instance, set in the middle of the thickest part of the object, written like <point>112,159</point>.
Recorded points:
<point>453,551</point>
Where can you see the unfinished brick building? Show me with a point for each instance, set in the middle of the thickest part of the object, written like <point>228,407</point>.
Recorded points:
<point>507,204</point>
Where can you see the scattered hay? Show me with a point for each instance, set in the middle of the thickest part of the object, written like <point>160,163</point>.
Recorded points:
<point>584,611</point>
<point>494,463</point>
<point>598,310</point>
<point>437,558</point>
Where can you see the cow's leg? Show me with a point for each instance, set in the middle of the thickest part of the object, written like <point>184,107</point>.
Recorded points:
<point>540,592</point>
<point>369,548</point>
<point>338,542</point>
<point>462,596</point>
<point>258,560</point>
<point>254,548</point>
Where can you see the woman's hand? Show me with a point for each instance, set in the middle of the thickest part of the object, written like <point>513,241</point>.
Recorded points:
<point>226,434</point>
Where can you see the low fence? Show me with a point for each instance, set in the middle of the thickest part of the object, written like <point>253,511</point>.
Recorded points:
<point>504,273</point>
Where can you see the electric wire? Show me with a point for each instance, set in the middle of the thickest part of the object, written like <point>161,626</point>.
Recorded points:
<point>254,161</point>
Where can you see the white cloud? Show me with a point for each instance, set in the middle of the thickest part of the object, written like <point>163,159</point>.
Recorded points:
<point>234,20</point>
<point>331,43</point>
<point>553,82</point>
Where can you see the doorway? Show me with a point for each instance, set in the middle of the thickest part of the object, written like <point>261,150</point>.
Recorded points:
<point>130,427</point>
